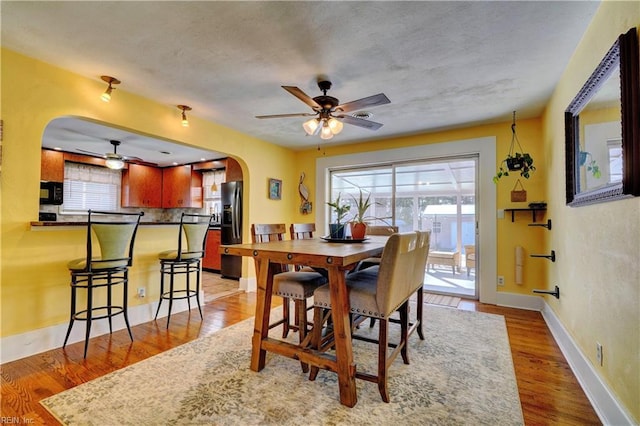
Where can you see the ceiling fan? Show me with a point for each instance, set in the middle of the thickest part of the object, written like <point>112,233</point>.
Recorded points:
<point>113,159</point>
<point>328,111</point>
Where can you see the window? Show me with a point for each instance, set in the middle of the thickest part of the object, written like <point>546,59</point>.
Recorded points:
<point>90,187</point>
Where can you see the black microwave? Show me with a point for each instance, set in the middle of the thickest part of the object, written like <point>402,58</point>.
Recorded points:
<point>50,192</point>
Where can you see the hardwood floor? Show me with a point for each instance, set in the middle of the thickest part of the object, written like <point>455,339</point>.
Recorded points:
<point>549,392</point>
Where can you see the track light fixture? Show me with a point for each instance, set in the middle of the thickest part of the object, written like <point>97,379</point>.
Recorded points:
<point>106,96</point>
<point>185,122</point>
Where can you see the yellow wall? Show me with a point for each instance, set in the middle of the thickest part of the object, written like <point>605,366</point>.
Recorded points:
<point>35,280</point>
<point>598,269</point>
<point>509,234</point>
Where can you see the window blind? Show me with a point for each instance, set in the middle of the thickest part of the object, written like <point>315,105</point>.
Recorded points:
<point>90,187</point>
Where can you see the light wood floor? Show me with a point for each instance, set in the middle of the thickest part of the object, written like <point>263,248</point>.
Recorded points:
<point>549,392</point>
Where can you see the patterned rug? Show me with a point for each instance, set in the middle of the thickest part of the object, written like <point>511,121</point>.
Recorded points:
<point>461,374</point>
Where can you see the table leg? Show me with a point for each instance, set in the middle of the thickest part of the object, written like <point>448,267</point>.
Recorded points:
<point>263,309</point>
<point>342,335</point>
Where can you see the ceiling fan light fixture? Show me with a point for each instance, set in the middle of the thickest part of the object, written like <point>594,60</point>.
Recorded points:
<point>184,108</point>
<point>114,162</point>
<point>335,125</point>
<point>311,126</point>
<point>106,96</point>
<point>326,132</point>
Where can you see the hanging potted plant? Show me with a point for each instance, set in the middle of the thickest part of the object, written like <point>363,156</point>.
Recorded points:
<point>592,165</point>
<point>336,229</point>
<point>358,225</point>
<point>516,160</point>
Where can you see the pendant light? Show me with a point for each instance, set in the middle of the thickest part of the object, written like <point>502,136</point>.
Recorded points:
<point>214,187</point>
<point>184,108</point>
<point>106,96</point>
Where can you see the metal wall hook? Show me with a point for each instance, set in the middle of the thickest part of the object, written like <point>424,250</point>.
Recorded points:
<point>555,293</point>
<point>544,225</point>
<point>551,257</point>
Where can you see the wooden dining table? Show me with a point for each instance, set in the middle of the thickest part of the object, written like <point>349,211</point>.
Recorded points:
<point>337,258</point>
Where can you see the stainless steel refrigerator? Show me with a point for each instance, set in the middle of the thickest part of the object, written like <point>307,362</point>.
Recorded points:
<point>231,227</point>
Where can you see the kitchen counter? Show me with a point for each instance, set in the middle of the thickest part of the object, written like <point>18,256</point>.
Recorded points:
<point>60,223</point>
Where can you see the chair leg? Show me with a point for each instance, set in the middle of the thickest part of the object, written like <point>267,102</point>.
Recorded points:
<point>419,309</point>
<point>161,290</point>
<point>125,294</point>
<point>382,359</point>
<point>286,316</point>
<point>109,300</point>
<point>404,331</point>
<point>188,274</point>
<point>89,313</point>
<point>301,308</point>
<point>198,288</point>
<point>73,309</point>
<point>318,314</point>
<point>170,294</point>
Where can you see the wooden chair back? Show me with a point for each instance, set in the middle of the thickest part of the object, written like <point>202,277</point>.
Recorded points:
<point>302,231</point>
<point>265,232</point>
<point>381,230</point>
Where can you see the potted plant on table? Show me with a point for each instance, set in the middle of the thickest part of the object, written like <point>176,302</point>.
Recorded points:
<point>592,165</point>
<point>358,225</point>
<point>336,229</point>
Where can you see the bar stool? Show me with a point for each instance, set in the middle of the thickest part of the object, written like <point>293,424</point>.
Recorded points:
<point>114,233</point>
<point>184,261</point>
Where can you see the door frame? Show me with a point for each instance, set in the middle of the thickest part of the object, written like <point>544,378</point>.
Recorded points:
<point>484,147</point>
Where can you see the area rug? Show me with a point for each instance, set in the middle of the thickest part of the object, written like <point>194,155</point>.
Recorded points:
<point>462,373</point>
<point>442,300</point>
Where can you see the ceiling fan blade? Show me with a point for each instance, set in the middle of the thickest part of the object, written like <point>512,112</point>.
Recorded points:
<point>368,102</point>
<point>367,124</point>
<point>301,114</point>
<point>302,96</point>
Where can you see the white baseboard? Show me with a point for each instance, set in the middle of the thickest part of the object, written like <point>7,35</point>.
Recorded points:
<point>248,284</point>
<point>34,342</point>
<point>610,411</point>
<point>520,301</point>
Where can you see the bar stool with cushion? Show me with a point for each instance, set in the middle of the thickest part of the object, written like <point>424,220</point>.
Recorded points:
<point>114,234</point>
<point>291,285</point>
<point>184,261</point>
<point>377,292</point>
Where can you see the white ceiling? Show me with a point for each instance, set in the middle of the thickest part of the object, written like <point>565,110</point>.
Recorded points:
<point>442,64</point>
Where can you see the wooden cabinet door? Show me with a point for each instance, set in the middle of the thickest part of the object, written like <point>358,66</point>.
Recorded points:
<point>176,187</point>
<point>51,165</point>
<point>212,259</point>
<point>141,186</point>
<point>233,170</point>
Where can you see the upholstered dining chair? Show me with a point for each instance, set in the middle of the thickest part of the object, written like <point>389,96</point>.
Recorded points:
<point>380,231</point>
<point>291,285</point>
<point>469,258</point>
<point>110,239</point>
<point>192,235</point>
<point>377,292</point>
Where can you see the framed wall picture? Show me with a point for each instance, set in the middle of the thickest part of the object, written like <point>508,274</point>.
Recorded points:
<point>275,189</point>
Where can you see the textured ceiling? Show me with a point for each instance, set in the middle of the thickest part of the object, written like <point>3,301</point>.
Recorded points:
<point>442,64</point>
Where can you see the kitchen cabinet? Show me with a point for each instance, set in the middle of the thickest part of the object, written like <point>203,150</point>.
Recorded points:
<point>212,258</point>
<point>51,165</point>
<point>233,171</point>
<point>181,187</point>
<point>141,186</point>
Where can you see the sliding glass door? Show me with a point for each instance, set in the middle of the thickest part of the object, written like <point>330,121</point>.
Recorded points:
<point>437,195</point>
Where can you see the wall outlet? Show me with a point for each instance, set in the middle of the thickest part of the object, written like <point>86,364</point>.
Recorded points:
<point>500,280</point>
<point>599,353</point>
<point>141,292</point>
